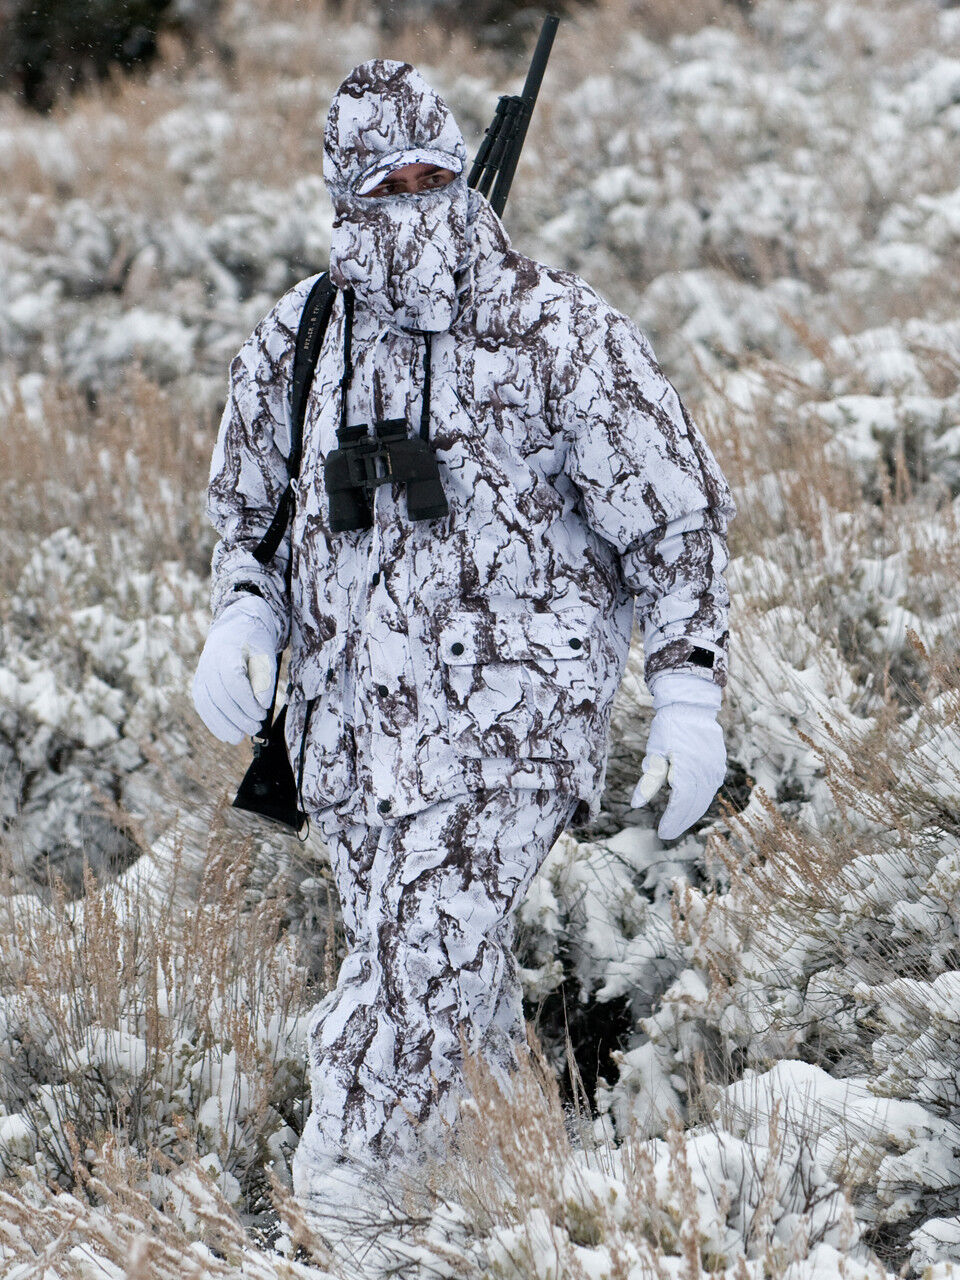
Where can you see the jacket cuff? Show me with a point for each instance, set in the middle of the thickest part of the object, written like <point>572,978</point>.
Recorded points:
<point>672,687</point>
<point>226,592</point>
<point>705,658</point>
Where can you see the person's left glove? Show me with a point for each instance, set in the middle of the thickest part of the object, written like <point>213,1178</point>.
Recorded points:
<point>233,683</point>
<point>685,748</point>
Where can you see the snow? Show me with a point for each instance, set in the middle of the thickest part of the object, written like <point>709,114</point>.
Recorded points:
<point>775,200</point>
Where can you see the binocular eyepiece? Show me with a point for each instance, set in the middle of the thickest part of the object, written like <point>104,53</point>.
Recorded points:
<point>360,462</point>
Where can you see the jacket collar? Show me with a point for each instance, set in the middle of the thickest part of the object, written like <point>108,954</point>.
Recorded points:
<point>489,243</point>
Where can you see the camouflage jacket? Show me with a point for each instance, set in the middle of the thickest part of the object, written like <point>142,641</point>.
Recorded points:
<point>484,647</point>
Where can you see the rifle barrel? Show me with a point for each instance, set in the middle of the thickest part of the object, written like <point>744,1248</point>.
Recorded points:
<point>529,97</point>
<point>538,63</point>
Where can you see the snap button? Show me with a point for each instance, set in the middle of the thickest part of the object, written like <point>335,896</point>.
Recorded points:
<point>574,643</point>
<point>375,579</point>
<point>382,690</point>
<point>383,806</point>
<point>456,647</point>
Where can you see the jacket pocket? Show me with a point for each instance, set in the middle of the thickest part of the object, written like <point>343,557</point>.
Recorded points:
<point>519,683</point>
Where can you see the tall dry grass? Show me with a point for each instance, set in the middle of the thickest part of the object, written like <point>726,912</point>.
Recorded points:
<point>127,471</point>
<point>516,1196</point>
<point>117,1003</point>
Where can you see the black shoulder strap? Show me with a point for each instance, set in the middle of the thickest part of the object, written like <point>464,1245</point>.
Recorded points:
<point>313,325</point>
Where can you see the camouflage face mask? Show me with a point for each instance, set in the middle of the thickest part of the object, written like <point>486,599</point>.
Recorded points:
<point>401,253</point>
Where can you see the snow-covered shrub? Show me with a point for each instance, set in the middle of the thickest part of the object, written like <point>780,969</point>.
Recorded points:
<point>125,1013</point>
<point>550,1196</point>
<point>835,942</point>
<point>102,603</point>
<point>115,1229</point>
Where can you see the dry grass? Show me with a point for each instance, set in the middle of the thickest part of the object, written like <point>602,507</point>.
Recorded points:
<point>662,19</point>
<point>184,986</point>
<point>513,1167</point>
<point>535,1180</point>
<point>126,473</point>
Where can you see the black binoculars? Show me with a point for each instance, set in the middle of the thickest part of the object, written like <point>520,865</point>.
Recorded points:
<point>352,471</point>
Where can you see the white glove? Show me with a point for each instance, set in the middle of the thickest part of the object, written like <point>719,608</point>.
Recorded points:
<point>233,683</point>
<point>685,748</point>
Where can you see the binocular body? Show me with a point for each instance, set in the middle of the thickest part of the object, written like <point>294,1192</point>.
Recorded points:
<point>361,462</point>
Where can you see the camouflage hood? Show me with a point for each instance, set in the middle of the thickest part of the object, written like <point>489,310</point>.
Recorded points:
<point>400,254</point>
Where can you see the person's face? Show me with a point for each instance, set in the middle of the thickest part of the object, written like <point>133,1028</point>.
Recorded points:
<point>411,179</point>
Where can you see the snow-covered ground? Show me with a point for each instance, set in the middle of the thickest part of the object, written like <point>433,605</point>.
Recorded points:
<point>774,198</point>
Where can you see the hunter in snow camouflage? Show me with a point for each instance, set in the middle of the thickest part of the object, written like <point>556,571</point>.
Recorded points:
<point>457,674</point>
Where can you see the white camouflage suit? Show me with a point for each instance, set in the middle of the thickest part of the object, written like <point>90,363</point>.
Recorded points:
<point>451,679</point>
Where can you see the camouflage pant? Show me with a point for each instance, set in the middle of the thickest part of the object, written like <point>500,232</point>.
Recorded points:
<point>427,905</point>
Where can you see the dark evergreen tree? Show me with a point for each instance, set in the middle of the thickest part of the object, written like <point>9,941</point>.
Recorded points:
<point>53,47</point>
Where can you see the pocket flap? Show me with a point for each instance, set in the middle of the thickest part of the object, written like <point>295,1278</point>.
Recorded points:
<point>470,636</point>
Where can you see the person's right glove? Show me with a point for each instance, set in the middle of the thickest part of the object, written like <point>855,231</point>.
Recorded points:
<point>233,683</point>
<point>685,748</point>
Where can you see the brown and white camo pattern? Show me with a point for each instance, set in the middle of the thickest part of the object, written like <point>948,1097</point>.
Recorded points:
<point>399,255</point>
<point>428,910</point>
<point>482,649</point>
